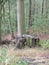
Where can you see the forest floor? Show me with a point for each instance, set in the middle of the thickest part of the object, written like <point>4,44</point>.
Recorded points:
<point>35,56</point>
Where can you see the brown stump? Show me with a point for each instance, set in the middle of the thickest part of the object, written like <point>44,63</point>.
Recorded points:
<point>34,41</point>
<point>21,42</point>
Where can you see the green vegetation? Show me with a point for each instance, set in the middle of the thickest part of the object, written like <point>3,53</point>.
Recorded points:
<point>10,60</point>
<point>45,44</point>
<point>21,62</point>
<point>40,23</point>
<point>18,17</point>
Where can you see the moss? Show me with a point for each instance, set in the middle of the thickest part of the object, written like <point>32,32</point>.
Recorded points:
<point>28,41</point>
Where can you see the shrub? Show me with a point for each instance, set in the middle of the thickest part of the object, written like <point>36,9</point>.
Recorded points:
<point>45,44</point>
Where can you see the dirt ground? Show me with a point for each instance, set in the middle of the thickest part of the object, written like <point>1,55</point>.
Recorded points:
<point>36,56</point>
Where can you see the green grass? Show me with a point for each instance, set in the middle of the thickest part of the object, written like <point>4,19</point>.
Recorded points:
<point>10,60</point>
<point>22,62</point>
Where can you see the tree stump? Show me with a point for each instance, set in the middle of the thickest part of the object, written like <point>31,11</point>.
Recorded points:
<point>27,40</point>
<point>34,41</point>
<point>21,42</point>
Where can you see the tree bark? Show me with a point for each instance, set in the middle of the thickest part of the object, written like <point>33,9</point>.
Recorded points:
<point>0,22</point>
<point>9,22</point>
<point>46,9</point>
<point>31,12</point>
<point>20,17</point>
<point>42,7</point>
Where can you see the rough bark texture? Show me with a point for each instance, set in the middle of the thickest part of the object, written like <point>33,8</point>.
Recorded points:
<point>27,41</point>
<point>34,41</point>
<point>21,42</point>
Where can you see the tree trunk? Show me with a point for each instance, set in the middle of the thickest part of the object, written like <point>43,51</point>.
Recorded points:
<point>20,17</point>
<point>29,12</point>
<point>4,15</point>
<point>9,22</point>
<point>46,9</point>
<point>0,22</point>
<point>32,10</point>
<point>42,7</point>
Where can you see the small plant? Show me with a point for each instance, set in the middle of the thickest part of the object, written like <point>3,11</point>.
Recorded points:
<point>22,62</point>
<point>3,56</point>
<point>38,43</point>
<point>45,44</point>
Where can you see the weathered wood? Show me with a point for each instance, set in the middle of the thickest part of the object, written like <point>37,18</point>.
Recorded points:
<point>21,42</point>
<point>25,40</point>
<point>31,40</point>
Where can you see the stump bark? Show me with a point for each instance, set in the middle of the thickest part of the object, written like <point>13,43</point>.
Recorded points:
<point>21,42</point>
<point>27,40</point>
<point>34,41</point>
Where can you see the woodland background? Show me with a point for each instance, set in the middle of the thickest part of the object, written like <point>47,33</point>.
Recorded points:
<point>35,22</point>
<point>38,19</point>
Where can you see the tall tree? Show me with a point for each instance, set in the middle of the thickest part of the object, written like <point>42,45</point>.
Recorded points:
<point>0,21</point>
<point>9,21</point>
<point>20,17</point>
<point>2,2</point>
<point>46,5</point>
<point>42,7</point>
<point>31,11</point>
<point>4,13</point>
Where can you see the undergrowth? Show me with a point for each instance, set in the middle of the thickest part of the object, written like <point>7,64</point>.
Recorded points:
<point>10,60</point>
<point>45,44</point>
